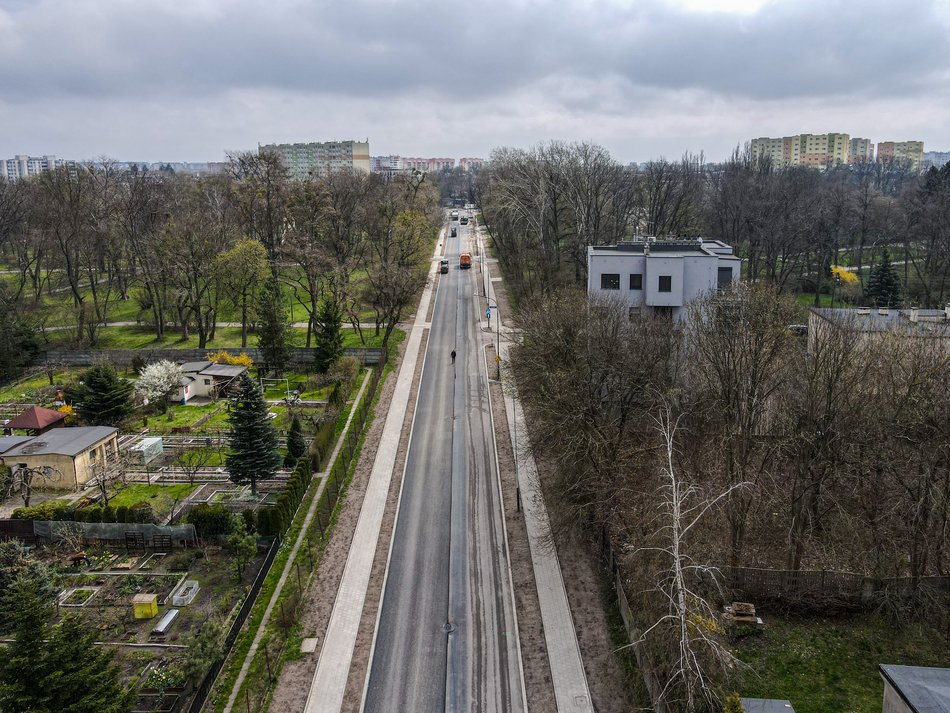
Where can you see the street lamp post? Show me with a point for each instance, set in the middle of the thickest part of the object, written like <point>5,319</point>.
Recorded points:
<point>497,336</point>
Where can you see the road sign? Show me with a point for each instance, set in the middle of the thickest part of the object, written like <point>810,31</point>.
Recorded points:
<point>498,357</point>
<point>488,313</point>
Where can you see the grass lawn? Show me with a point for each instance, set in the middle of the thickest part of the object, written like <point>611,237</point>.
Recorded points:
<point>180,416</point>
<point>807,299</point>
<point>830,665</point>
<point>24,391</point>
<point>160,497</point>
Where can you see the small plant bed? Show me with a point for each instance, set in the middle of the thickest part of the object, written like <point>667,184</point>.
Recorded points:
<point>77,596</point>
<point>825,665</point>
<point>152,561</point>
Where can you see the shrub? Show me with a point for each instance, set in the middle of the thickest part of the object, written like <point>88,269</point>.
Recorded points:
<point>108,513</point>
<point>223,357</point>
<point>181,561</point>
<point>344,370</point>
<point>250,519</point>
<point>142,512</point>
<point>92,513</point>
<point>122,513</point>
<point>48,510</point>
<point>210,520</point>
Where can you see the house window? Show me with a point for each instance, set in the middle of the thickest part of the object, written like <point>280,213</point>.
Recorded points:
<point>610,281</point>
<point>207,382</point>
<point>666,283</point>
<point>724,277</point>
<point>92,454</point>
<point>636,281</point>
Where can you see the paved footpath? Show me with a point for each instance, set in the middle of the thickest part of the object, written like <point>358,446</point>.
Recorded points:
<point>255,643</point>
<point>333,668</point>
<point>568,677</point>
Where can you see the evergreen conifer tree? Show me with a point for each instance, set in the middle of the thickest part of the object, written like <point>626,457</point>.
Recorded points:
<point>733,704</point>
<point>253,443</point>
<point>22,667</point>
<point>884,287</point>
<point>328,340</point>
<point>81,676</point>
<point>103,398</point>
<point>296,445</point>
<point>274,335</point>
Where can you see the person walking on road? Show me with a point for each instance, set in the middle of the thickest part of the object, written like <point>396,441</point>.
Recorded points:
<point>453,356</point>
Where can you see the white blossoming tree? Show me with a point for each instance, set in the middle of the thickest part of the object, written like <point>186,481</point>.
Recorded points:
<point>159,381</point>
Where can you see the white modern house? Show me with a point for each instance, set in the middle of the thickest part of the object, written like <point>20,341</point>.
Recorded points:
<point>205,379</point>
<point>661,277</point>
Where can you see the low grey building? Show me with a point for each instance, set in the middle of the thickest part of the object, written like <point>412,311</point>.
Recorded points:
<point>660,276</point>
<point>915,689</point>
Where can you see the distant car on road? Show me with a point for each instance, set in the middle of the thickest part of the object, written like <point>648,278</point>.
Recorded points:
<point>444,266</point>
<point>464,220</point>
<point>455,215</point>
<point>454,232</point>
<point>465,261</point>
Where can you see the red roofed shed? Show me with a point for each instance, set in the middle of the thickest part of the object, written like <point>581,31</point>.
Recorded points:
<point>37,420</point>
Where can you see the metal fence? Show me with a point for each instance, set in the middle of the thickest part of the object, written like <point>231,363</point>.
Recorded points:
<point>116,534</point>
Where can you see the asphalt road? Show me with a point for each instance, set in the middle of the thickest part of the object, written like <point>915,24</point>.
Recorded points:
<point>445,640</point>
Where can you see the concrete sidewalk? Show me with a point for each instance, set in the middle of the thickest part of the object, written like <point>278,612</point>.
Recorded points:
<point>568,677</point>
<point>329,680</point>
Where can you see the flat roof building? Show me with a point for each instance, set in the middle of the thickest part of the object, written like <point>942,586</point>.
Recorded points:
<point>320,159</point>
<point>915,689</point>
<point>661,276</point>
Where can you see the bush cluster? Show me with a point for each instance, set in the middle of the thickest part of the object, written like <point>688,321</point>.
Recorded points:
<point>211,520</point>
<point>323,440</point>
<point>275,520</point>
<point>61,511</point>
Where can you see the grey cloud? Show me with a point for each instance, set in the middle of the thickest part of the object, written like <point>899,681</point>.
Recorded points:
<point>367,47</point>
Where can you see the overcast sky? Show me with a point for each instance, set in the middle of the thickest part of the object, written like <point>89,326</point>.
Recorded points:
<point>191,79</point>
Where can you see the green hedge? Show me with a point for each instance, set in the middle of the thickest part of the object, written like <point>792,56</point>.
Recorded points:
<point>275,519</point>
<point>323,441</point>
<point>50,510</point>
<point>210,520</point>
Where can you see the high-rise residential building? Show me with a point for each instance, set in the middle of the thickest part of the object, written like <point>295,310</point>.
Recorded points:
<point>860,150</point>
<point>936,158</point>
<point>471,164</point>
<point>323,158</point>
<point>820,150</point>
<point>441,164</point>
<point>25,166</point>
<point>910,151</point>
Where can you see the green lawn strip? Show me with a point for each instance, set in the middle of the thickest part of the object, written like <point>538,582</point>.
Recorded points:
<point>160,497</point>
<point>225,682</point>
<point>23,391</point>
<point>823,665</point>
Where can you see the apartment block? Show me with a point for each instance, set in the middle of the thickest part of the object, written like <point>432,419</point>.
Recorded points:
<point>661,277</point>
<point>936,158</point>
<point>471,164</point>
<point>322,158</point>
<point>910,151</point>
<point>860,151</point>
<point>19,167</point>
<point>819,150</point>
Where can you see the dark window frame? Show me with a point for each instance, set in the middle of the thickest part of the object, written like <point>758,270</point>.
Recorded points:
<point>636,280</point>
<point>664,283</point>
<point>610,280</point>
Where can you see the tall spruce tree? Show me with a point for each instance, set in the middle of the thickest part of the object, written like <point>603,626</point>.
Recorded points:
<point>103,398</point>
<point>296,445</point>
<point>274,332</point>
<point>56,668</point>
<point>253,441</point>
<point>884,286</point>
<point>328,340</point>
